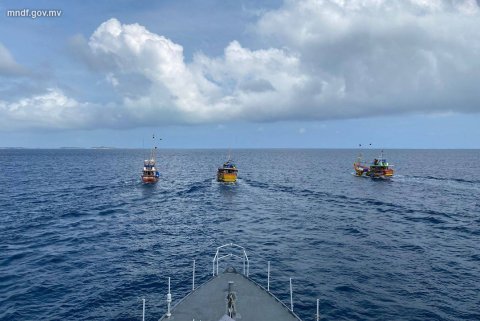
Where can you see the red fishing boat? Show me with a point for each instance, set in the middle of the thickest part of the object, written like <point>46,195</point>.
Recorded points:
<point>150,173</point>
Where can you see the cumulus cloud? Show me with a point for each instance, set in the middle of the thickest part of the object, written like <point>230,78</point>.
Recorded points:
<point>324,59</point>
<point>240,84</point>
<point>52,109</point>
<point>321,59</point>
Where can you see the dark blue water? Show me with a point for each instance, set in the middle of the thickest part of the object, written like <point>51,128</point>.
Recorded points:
<point>82,239</point>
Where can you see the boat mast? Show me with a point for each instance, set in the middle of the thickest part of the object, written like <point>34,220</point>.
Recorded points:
<point>152,153</point>
<point>154,149</point>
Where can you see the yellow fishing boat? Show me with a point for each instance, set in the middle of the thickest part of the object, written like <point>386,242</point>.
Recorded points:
<point>228,172</point>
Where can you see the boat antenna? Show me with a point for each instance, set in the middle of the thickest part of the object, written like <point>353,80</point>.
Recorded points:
<point>154,149</point>
<point>359,158</point>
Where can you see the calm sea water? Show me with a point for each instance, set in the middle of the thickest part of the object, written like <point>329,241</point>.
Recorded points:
<point>81,238</point>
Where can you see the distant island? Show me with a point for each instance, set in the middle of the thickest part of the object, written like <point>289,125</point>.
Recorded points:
<point>13,148</point>
<point>94,147</point>
<point>62,147</point>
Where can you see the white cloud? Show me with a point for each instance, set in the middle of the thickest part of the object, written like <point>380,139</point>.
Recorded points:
<point>8,65</point>
<point>240,84</point>
<point>382,57</point>
<point>52,109</point>
<point>322,59</point>
<point>134,49</point>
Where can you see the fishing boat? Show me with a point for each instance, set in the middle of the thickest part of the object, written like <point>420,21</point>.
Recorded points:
<point>379,168</point>
<point>228,172</point>
<point>150,173</point>
<point>230,295</point>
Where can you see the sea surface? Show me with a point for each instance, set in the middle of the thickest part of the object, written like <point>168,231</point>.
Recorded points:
<point>81,238</point>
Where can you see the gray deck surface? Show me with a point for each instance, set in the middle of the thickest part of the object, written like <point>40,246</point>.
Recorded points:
<point>209,302</point>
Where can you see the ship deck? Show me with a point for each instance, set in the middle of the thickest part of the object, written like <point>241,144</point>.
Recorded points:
<point>209,302</point>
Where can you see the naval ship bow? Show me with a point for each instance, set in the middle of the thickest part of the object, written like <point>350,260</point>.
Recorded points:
<point>230,295</point>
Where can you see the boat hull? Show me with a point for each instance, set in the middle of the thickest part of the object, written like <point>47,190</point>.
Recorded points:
<point>227,177</point>
<point>386,173</point>
<point>149,179</point>
<point>372,171</point>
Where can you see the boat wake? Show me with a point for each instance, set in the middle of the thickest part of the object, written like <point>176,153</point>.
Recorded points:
<point>363,203</point>
<point>455,183</point>
<point>195,187</point>
<point>446,179</point>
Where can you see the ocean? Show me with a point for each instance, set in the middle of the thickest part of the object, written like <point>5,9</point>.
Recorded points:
<point>81,238</point>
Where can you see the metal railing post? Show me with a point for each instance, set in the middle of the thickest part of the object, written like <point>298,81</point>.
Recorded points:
<point>248,263</point>
<point>213,267</point>
<point>268,277</point>
<point>169,300</point>
<point>291,296</point>
<point>193,277</point>
<point>143,311</point>
<point>318,310</point>
<point>244,265</point>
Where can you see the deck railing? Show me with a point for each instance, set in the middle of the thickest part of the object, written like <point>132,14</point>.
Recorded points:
<point>219,255</point>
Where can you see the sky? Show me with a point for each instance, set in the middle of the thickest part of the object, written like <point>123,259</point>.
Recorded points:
<point>241,74</point>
